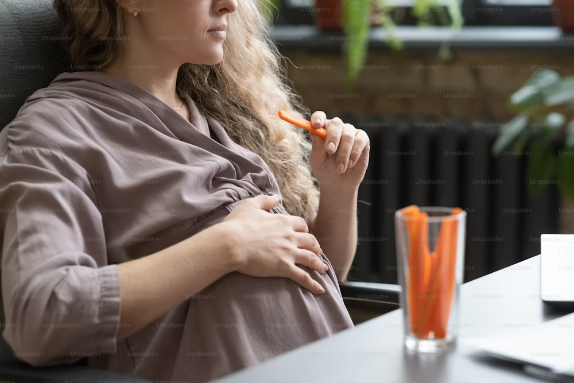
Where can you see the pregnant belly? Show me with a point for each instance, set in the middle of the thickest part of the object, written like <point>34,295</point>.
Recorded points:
<point>248,319</point>
<point>255,299</point>
<point>274,303</point>
<point>236,322</point>
<point>242,320</point>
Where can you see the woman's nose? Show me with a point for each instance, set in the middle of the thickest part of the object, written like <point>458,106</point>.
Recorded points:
<point>226,6</point>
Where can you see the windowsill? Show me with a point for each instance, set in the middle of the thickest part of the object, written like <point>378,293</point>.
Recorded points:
<point>514,38</point>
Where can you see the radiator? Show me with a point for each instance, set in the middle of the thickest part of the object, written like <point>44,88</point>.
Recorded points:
<point>447,163</point>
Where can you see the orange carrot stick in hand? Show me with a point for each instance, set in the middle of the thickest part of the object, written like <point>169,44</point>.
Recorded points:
<point>302,123</point>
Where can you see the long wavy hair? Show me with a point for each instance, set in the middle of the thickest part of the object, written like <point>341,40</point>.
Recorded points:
<point>243,92</point>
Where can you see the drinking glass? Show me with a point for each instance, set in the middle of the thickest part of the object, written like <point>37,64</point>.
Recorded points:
<point>430,260</point>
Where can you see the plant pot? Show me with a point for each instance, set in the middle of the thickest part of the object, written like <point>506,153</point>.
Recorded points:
<point>329,16</point>
<point>563,13</point>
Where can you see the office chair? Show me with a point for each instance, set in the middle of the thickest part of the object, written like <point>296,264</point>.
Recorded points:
<point>31,58</point>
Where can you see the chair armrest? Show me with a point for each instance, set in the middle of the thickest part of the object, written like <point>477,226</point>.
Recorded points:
<point>380,292</point>
<point>20,372</point>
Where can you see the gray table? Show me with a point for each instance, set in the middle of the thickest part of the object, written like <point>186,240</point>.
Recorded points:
<point>373,351</point>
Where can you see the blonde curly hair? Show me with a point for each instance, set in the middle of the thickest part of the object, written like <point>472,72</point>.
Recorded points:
<point>243,92</point>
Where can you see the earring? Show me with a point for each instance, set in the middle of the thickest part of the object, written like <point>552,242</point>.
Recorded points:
<point>136,13</point>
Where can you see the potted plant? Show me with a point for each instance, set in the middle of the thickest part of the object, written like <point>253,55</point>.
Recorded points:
<point>563,13</point>
<point>544,109</point>
<point>358,16</point>
<point>328,14</point>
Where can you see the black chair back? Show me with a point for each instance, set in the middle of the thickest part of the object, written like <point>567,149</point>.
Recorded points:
<point>32,54</point>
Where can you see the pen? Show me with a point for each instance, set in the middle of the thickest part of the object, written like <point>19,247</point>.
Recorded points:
<point>545,373</point>
<point>298,121</point>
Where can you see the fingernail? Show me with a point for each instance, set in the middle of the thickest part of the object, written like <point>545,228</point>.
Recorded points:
<point>350,164</point>
<point>331,147</point>
<point>322,290</point>
<point>325,268</point>
<point>318,121</point>
<point>340,168</point>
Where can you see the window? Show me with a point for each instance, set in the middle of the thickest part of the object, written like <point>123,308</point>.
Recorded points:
<point>475,12</point>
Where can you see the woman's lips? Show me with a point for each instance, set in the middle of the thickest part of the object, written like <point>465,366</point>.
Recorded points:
<point>218,34</point>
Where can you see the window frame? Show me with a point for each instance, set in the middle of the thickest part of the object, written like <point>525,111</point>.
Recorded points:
<point>506,15</point>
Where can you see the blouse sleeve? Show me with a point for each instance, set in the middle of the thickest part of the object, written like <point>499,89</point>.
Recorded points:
<point>60,297</point>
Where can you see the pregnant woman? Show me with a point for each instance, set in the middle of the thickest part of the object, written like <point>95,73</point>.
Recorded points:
<point>156,215</point>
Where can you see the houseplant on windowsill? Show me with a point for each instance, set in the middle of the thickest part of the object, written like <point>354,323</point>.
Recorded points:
<point>357,20</point>
<point>545,112</point>
<point>563,13</point>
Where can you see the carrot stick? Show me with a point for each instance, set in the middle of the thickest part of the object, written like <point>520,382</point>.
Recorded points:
<point>418,249</point>
<point>302,123</point>
<point>423,275</point>
<point>410,274</point>
<point>427,266</point>
<point>444,282</point>
<point>434,266</point>
<point>410,209</point>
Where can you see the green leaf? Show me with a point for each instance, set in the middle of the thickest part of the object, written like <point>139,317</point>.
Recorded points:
<point>543,78</point>
<point>509,132</point>
<point>389,26</point>
<point>453,7</point>
<point>540,167</point>
<point>553,122</point>
<point>356,24</point>
<point>562,92</point>
<point>421,9</point>
<point>526,97</point>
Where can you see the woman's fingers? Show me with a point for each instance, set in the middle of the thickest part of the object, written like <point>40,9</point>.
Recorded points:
<point>345,147</point>
<point>334,130</point>
<point>312,261</point>
<point>360,143</point>
<point>308,241</point>
<point>303,278</point>
<point>298,224</point>
<point>318,119</point>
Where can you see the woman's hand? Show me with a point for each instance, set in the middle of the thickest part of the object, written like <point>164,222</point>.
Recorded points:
<point>340,161</point>
<point>269,245</point>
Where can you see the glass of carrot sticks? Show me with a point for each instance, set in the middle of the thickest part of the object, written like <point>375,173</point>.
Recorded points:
<point>430,260</point>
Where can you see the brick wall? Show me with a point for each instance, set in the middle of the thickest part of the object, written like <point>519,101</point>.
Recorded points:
<point>473,85</point>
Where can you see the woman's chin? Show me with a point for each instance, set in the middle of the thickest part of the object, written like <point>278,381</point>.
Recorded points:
<point>212,58</point>
<point>215,60</point>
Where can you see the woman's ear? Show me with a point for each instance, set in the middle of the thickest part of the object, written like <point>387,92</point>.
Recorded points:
<point>130,6</point>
